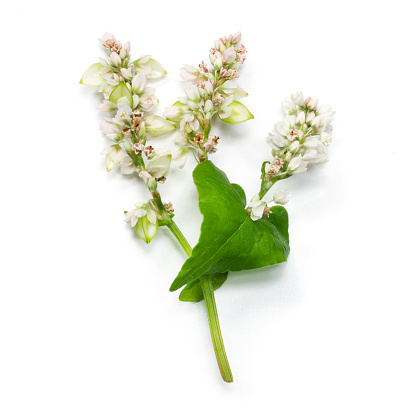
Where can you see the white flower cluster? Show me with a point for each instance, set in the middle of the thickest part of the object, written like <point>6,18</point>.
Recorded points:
<point>214,91</point>
<point>129,121</point>
<point>300,140</point>
<point>128,101</point>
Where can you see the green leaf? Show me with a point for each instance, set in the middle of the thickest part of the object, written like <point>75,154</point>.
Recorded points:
<point>239,113</point>
<point>230,239</point>
<point>121,91</point>
<point>193,291</point>
<point>92,75</point>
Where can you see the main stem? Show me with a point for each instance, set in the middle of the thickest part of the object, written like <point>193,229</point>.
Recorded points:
<point>214,323</point>
<point>214,326</point>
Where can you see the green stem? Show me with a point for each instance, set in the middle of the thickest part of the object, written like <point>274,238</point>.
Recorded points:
<point>180,237</point>
<point>214,326</point>
<point>266,185</point>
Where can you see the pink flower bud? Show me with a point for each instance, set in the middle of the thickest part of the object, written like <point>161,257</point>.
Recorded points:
<point>115,59</point>
<point>237,37</point>
<point>146,176</point>
<point>229,55</point>
<point>218,63</point>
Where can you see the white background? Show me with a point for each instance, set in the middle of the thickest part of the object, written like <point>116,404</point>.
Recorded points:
<point>87,324</point>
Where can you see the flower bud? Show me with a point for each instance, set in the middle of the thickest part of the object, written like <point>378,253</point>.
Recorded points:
<point>126,73</point>
<point>310,117</point>
<point>192,93</point>
<point>115,59</point>
<point>300,119</point>
<point>145,229</point>
<point>218,63</point>
<point>311,103</point>
<point>123,54</point>
<point>208,106</point>
<point>138,83</point>
<point>229,55</point>
<point>298,99</point>
<point>237,37</point>
<point>294,147</point>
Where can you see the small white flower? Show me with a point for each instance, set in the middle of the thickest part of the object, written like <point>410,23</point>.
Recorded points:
<point>311,156</point>
<point>218,63</point>
<point>148,103</point>
<point>105,37</point>
<point>138,83</point>
<point>128,167</point>
<point>294,147</point>
<point>173,112</point>
<point>300,118</point>
<point>312,142</point>
<point>310,117</point>
<point>288,106</point>
<point>113,156</point>
<point>298,99</point>
<point>193,93</point>
<point>124,112</point>
<point>159,163</point>
<point>281,196</point>
<point>189,123</point>
<point>226,109</point>
<point>189,73</point>
<point>311,103</point>
<point>180,156</point>
<point>111,130</point>
<point>282,128</point>
<point>106,106</point>
<point>275,140</point>
<point>144,220</point>
<point>126,73</point>
<point>257,208</point>
<point>297,165</point>
<point>208,106</point>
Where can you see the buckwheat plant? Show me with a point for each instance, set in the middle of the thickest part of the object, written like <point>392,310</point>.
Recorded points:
<point>213,91</point>
<point>238,237</point>
<point>234,235</point>
<point>128,105</point>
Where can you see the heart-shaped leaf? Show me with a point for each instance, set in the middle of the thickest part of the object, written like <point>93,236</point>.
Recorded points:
<point>230,239</point>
